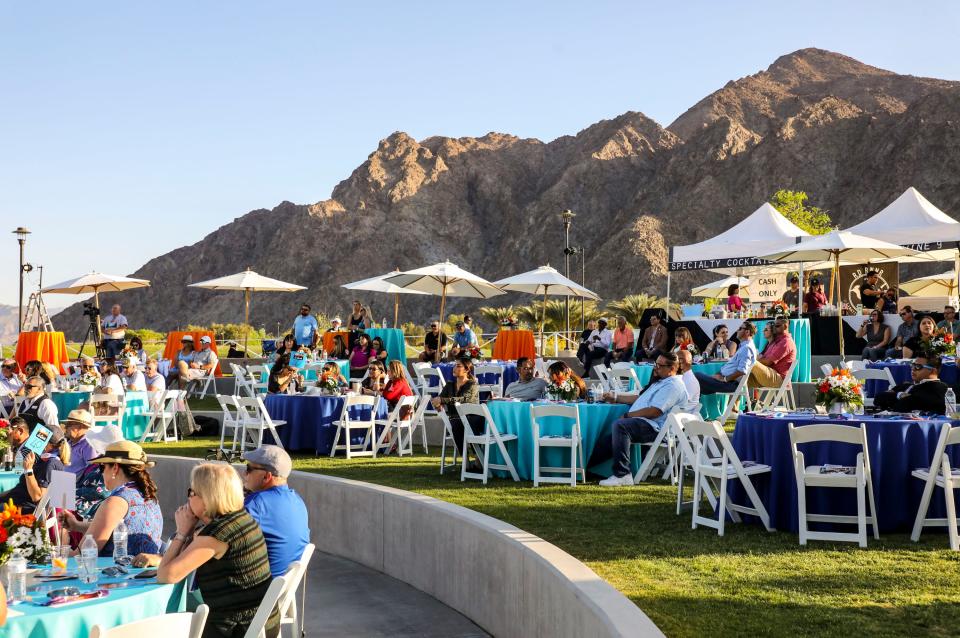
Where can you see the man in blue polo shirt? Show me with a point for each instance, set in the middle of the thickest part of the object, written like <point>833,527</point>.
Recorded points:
<point>305,328</point>
<point>272,503</point>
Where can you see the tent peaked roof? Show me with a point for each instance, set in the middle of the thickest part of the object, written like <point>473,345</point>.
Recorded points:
<point>910,219</point>
<point>752,237</point>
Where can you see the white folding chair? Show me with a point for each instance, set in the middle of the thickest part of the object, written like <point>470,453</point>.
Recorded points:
<point>100,420</point>
<point>182,624</point>
<point>855,365</point>
<point>542,367</point>
<point>662,448</point>
<point>347,425</point>
<point>242,381</point>
<point>46,513</point>
<point>289,610</point>
<point>202,386</point>
<point>267,605</point>
<point>781,395</point>
<point>259,376</point>
<point>162,425</point>
<point>256,420</point>
<point>879,374</point>
<point>419,423</point>
<point>572,442</point>
<point>686,458</point>
<point>741,393</point>
<point>624,380</point>
<point>489,436</point>
<point>413,383</point>
<point>393,423</point>
<point>425,372</point>
<point>448,439</point>
<point>496,388</point>
<point>858,478</point>
<point>721,467</point>
<point>603,374</point>
<point>826,369</point>
<point>232,422</point>
<point>939,474</point>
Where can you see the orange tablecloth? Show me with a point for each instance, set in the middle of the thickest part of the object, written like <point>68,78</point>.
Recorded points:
<point>173,345</point>
<point>49,347</point>
<point>328,339</point>
<point>513,344</point>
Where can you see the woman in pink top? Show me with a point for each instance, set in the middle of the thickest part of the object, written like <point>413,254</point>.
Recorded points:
<point>734,302</point>
<point>361,356</point>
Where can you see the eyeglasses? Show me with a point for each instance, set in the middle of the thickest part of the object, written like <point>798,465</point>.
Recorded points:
<point>919,366</point>
<point>663,365</point>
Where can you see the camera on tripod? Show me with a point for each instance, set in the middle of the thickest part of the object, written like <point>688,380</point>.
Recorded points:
<point>90,310</point>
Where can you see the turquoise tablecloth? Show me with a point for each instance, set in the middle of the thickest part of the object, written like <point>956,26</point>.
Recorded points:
<point>392,341</point>
<point>8,480</point>
<point>138,599</point>
<point>513,417</point>
<point>800,331</point>
<point>711,405</point>
<point>135,417</point>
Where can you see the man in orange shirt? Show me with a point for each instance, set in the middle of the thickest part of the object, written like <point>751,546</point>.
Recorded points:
<point>622,346</point>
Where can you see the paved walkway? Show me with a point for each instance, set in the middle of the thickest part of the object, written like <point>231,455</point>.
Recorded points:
<point>347,599</point>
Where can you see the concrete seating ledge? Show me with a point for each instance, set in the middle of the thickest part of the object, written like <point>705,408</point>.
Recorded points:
<point>506,580</point>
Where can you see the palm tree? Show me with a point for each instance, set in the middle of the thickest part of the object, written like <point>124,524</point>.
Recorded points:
<point>497,314</point>
<point>555,319</point>
<point>631,307</point>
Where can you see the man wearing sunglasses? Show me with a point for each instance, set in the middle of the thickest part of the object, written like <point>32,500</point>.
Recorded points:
<point>37,408</point>
<point>925,394</point>
<point>909,329</point>
<point>11,383</point>
<point>433,340</point>
<point>742,361</point>
<point>305,328</point>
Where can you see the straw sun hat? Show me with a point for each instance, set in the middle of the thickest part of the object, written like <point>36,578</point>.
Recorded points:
<point>124,453</point>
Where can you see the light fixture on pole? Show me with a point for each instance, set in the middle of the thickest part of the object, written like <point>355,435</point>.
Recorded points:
<point>567,217</point>
<point>21,234</point>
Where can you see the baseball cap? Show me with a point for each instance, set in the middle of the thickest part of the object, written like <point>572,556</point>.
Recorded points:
<point>794,279</point>
<point>206,339</point>
<point>273,458</point>
<point>187,338</point>
<point>460,324</point>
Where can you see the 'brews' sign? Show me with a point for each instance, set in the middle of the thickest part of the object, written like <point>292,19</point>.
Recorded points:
<point>710,264</point>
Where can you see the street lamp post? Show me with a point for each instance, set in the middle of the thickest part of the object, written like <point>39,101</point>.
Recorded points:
<point>21,234</point>
<point>567,217</point>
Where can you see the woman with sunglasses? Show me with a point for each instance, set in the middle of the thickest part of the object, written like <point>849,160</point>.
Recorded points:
<point>228,552</point>
<point>379,350</point>
<point>339,350</point>
<point>877,334</point>
<point>132,499</point>
<point>186,353</point>
<point>375,381</point>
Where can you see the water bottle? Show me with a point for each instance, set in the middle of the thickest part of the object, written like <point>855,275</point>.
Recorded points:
<point>18,462</point>
<point>120,543</point>
<point>950,402</point>
<point>88,560</point>
<point>8,460</point>
<point>383,323</point>
<point>17,571</point>
<point>592,394</point>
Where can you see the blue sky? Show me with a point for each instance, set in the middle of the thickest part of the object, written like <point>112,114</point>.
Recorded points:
<point>129,129</point>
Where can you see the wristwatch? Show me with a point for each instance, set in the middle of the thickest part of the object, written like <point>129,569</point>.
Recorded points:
<point>28,473</point>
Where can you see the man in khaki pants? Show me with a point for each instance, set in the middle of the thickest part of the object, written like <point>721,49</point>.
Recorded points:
<point>775,359</point>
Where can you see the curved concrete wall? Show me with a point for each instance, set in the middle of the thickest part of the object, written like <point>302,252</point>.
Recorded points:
<point>504,579</point>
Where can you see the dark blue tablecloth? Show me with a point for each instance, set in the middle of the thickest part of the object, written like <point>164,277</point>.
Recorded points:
<point>510,374</point>
<point>896,448</point>
<point>309,420</point>
<point>901,374</point>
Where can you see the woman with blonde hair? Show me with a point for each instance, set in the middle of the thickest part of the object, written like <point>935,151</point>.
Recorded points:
<point>228,552</point>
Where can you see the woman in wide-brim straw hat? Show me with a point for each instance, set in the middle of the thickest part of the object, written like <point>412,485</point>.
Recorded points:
<point>132,499</point>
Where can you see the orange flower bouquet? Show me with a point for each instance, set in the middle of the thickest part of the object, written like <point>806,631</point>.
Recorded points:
<point>840,387</point>
<point>22,533</point>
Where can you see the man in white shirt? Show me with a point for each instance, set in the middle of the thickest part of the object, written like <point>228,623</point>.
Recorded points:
<point>598,344</point>
<point>114,332</point>
<point>685,359</point>
<point>37,408</point>
<point>133,379</point>
<point>10,383</point>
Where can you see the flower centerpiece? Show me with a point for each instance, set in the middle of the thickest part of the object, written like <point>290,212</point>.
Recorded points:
<point>328,384</point>
<point>21,533</point>
<point>942,344</point>
<point>4,435</point>
<point>839,391</point>
<point>473,352</point>
<point>565,390</point>
<point>510,323</point>
<point>689,346</point>
<point>778,308</point>
<point>87,382</point>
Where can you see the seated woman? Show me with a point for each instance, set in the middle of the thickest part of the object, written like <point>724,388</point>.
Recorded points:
<point>186,354</point>
<point>331,370</point>
<point>32,484</point>
<point>339,350</point>
<point>877,335</point>
<point>379,350</point>
<point>284,378</point>
<point>132,499</point>
<point>915,345</point>
<point>397,386</point>
<point>461,389</point>
<point>228,553</point>
<point>376,379</point>
<point>683,340</point>
<point>734,302</point>
<point>560,372</point>
<point>39,369</point>
<point>110,377</point>
<point>361,356</point>
<point>134,350</point>
<point>288,345</point>
<point>721,346</point>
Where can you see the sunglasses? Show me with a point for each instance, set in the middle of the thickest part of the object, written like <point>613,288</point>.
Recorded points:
<point>190,492</point>
<point>663,365</point>
<point>919,366</point>
<point>33,385</point>
<point>250,468</point>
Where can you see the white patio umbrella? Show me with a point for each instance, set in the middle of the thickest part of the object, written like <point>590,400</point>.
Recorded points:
<point>718,288</point>
<point>545,281</point>
<point>379,284</point>
<point>95,282</point>
<point>942,285</point>
<point>832,246</point>
<point>444,279</point>
<point>248,281</point>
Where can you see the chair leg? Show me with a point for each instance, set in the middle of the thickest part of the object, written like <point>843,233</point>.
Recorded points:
<point>463,465</point>
<point>486,461</point>
<point>697,484</point>
<point>951,513</point>
<point>802,510</point>
<point>861,511</point>
<point>723,501</point>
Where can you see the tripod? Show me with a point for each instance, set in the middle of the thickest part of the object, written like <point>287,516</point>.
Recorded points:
<point>93,334</point>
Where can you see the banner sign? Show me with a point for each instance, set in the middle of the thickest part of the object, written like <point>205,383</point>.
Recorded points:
<point>933,245</point>
<point>710,264</point>
<point>852,277</point>
<point>767,288</point>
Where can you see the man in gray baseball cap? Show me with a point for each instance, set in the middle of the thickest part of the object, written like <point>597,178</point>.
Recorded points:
<point>279,510</point>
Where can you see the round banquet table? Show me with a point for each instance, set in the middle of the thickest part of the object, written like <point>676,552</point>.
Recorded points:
<point>900,370</point>
<point>513,417</point>
<point>173,345</point>
<point>136,415</point>
<point>50,347</point>
<point>896,447</point>
<point>309,420</point>
<point>513,344</point>
<point>8,480</point>
<point>711,405</point>
<point>135,600</point>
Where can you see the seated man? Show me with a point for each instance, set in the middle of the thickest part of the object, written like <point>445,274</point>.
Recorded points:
<point>88,369</point>
<point>950,323</point>
<point>432,341</point>
<point>463,340</point>
<point>738,365</point>
<point>11,383</point>
<point>598,344</point>
<point>685,359</point>
<point>37,408</point>
<point>642,423</point>
<point>775,360</point>
<point>925,394</point>
<point>203,364</point>
<point>622,349</point>
<point>909,329</point>
<point>132,378</point>
<point>528,388</point>
<point>654,340</point>
<point>37,469</point>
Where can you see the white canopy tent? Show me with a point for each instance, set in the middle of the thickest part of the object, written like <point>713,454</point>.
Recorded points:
<point>911,220</point>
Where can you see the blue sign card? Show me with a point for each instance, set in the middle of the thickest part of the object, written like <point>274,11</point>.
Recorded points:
<point>298,360</point>
<point>38,439</point>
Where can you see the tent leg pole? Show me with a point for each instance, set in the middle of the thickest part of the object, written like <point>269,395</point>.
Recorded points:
<point>246,319</point>
<point>396,309</point>
<point>800,292</point>
<point>667,308</point>
<point>443,304</point>
<point>836,276</point>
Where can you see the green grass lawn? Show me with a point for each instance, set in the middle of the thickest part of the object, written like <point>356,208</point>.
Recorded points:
<point>692,582</point>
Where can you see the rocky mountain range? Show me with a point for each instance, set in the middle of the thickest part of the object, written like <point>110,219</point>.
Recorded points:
<point>852,136</point>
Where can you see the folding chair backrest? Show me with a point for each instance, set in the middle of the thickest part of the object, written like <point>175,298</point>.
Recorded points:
<point>826,369</point>
<point>828,432</point>
<point>230,406</point>
<point>267,605</point>
<point>853,366</point>
<point>567,412</point>
<point>182,624</point>
<point>880,374</point>
<point>413,383</point>
<point>476,409</point>
<point>603,373</point>
<point>626,379</point>
<point>621,365</point>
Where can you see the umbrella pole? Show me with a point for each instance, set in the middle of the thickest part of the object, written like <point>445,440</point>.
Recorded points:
<point>836,276</point>
<point>246,318</point>
<point>396,309</point>
<point>543,320</point>
<point>443,304</point>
